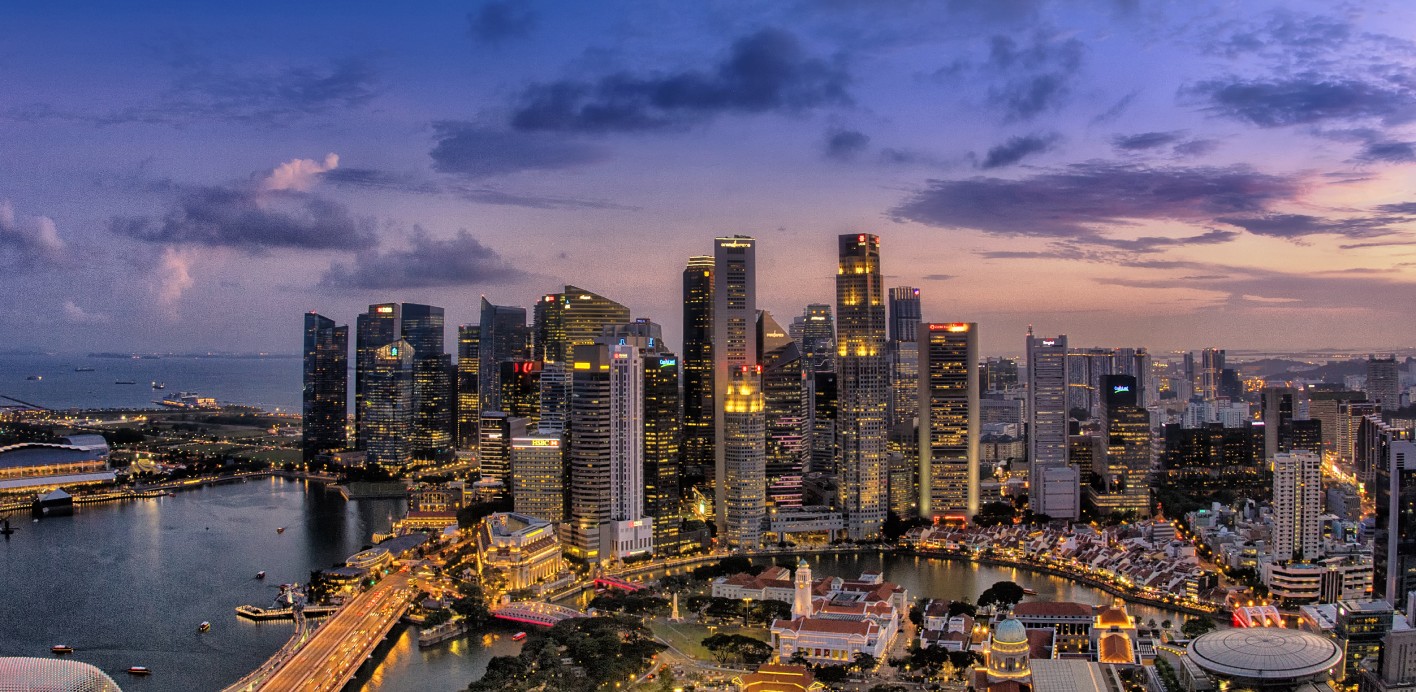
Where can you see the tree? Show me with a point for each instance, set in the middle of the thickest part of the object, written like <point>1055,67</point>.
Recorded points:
<point>957,608</point>
<point>830,674</point>
<point>1195,627</point>
<point>863,662</point>
<point>917,615</point>
<point>1003,593</point>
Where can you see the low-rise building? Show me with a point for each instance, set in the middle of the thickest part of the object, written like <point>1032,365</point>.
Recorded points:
<point>832,622</point>
<point>524,550</point>
<point>34,466</point>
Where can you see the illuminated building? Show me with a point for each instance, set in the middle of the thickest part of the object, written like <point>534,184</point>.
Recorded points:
<point>821,424</point>
<point>784,415</point>
<point>521,389</point>
<point>772,677</point>
<point>555,397</point>
<point>538,476</point>
<point>698,411</point>
<point>1394,492</point>
<point>1119,483</point>
<point>55,675</point>
<point>326,387</point>
<point>1361,626</point>
<point>663,467</point>
<point>999,375</point>
<point>1272,658</point>
<point>375,329</point>
<point>1054,485</point>
<point>948,421</point>
<point>1213,457</point>
<point>523,549</point>
<point>1383,381</point>
<point>628,531</point>
<point>734,347</point>
<point>1297,504</point>
<point>422,328</point>
<point>744,453</point>
<point>573,318</point>
<point>503,336</point>
<point>495,431</point>
<point>834,620</point>
<point>1349,421</point>
<point>863,387</point>
<point>903,349</point>
<point>32,467</point>
<point>1208,378</point>
<point>1006,654</point>
<point>815,331</point>
<point>1279,407</point>
<point>469,363</point>
<point>902,473</point>
<point>389,405</point>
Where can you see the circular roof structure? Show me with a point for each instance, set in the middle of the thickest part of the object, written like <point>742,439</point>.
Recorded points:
<point>53,675</point>
<point>1010,631</point>
<point>1264,654</point>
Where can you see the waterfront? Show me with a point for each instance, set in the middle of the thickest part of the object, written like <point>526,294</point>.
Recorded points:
<point>269,382</point>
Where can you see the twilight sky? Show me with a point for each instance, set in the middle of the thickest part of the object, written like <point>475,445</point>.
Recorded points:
<point>192,176</point>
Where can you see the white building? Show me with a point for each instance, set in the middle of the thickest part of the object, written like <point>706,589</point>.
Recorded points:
<point>1297,504</point>
<point>859,616</point>
<point>629,532</point>
<point>1054,492</point>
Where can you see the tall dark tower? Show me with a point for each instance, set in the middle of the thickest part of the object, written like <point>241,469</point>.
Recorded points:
<point>380,326</point>
<point>503,336</point>
<point>904,359</point>
<point>698,368</point>
<point>432,382</point>
<point>785,397</point>
<point>326,395</point>
<point>469,364</point>
<point>864,384</point>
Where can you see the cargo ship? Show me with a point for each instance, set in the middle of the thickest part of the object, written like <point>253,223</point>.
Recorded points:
<point>188,400</point>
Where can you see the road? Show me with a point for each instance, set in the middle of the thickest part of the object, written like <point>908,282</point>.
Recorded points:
<point>341,644</point>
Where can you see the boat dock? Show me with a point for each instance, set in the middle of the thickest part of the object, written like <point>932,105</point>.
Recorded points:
<point>259,614</point>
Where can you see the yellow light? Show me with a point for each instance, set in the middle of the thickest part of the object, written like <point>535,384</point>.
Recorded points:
<point>582,365</point>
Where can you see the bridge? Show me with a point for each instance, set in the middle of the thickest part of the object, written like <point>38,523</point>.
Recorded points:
<point>608,582</point>
<point>327,659</point>
<point>536,613</point>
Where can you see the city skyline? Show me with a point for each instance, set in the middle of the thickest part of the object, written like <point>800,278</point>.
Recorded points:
<point>179,178</point>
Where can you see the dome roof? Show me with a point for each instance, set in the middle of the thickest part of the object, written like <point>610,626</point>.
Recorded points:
<point>1010,631</point>
<point>53,675</point>
<point>1264,653</point>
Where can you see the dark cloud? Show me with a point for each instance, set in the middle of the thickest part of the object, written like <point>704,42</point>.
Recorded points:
<point>475,151</point>
<point>1290,226</point>
<point>427,263</point>
<point>1115,110</point>
<point>251,219</point>
<point>939,277</point>
<point>764,71</point>
<point>1036,77</point>
<point>1018,148</point>
<point>1281,34</point>
<point>1389,151</point>
<point>1304,100</point>
<point>909,157</point>
<point>1195,147</point>
<point>1075,201</point>
<point>846,145</point>
<point>371,179</point>
<point>500,20</point>
<point>1145,140</point>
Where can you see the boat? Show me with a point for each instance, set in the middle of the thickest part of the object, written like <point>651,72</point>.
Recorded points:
<point>139,670</point>
<point>159,385</point>
<point>518,636</point>
<point>35,377</point>
<point>6,529</point>
<point>260,574</point>
<point>1029,592</point>
<point>61,649</point>
<point>83,369</point>
<point>204,627</point>
<point>124,382</point>
<point>280,529</point>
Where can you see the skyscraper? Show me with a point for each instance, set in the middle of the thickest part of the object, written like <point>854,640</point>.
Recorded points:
<point>1119,478</point>
<point>503,336</point>
<point>326,390</point>
<point>469,364</point>
<point>904,358</point>
<point>948,421</point>
<point>538,476</point>
<point>1054,486</point>
<point>1297,504</point>
<point>1211,369</point>
<point>734,347</point>
<point>628,531</point>
<point>378,327</point>
<point>824,446</point>
<point>576,317</point>
<point>1383,381</point>
<point>784,396</point>
<point>521,390</point>
<point>389,405</point>
<point>744,454</point>
<point>495,432</point>
<point>863,385</point>
<point>698,411</point>
<point>1394,546</point>
<point>1279,406</point>
<point>817,334</point>
<point>432,382</point>
<point>589,453</point>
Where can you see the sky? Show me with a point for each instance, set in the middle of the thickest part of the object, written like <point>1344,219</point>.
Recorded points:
<point>180,176</point>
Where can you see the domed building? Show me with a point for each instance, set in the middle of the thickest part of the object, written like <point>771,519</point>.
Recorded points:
<point>53,675</point>
<point>1266,658</point>
<point>1005,659</point>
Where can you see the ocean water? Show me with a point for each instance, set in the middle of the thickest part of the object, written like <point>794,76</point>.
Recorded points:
<point>270,382</point>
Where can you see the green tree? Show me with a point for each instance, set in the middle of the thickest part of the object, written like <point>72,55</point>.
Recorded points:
<point>1002,593</point>
<point>1195,627</point>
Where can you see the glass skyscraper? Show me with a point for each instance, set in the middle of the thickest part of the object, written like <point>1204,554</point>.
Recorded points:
<point>863,384</point>
<point>326,390</point>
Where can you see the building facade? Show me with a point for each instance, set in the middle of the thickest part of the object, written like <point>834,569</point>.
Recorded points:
<point>948,421</point>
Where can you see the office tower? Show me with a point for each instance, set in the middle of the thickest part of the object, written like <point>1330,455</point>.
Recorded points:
<point>504,336</point>
<point>628,531</point>
<point>1349,419</point>
<point>1120,481</point>
<point>1359,629</point>
<point>1054,488</point>
<point>734,347</point>
<point>663,466</point>
<point>816,333</point>
<point>377,328</point>
<point>1297,503</point>
<point>824,446</point>
<point>389,405</point>
<point>903,351</point>
<point>698,416</point>
<point>1278,409</point>
<point>863,387</point>
<point>495,431</point>
<point>902,480</point>
<point>948,421</point>
<point>326,390</point>
<point>1394,490</point>
<point>573,318</point>
<point>1307,436</point>
<point>1191,374</point>
<point>1230,386</point>
<point>469,363</point>
<point>744,453</point>
<point>422,327</point>
<point>1214,457</point>
<point>1383,381</point>
<point>1326,405</point>
<point>521,390</point>
<point>538,476</point>
<point>999,375</point>
<point>589,454</point>
<point>784,394</point>
<point>1210,372</point>
<point>555,397</point>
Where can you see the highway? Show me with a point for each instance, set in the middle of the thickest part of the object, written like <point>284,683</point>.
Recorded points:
<point>340,645</point>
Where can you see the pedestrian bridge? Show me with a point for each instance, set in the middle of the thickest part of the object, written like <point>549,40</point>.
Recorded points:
<point>608,582</point>
<point>536,613</point>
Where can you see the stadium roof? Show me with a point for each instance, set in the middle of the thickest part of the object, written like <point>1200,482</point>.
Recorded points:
<point>53,675</point>
<point>1264,654</point>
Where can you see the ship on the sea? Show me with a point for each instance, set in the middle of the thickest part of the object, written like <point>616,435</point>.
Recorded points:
<point>189,400</point>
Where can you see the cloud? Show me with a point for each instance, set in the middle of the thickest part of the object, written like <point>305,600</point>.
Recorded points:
<point>1195,147</point>
<point>28,242</point>
<point>500,20</point>
<point>846,145</point>
<point>427,263</point>
<point>1018,148</point>
<point>1389,151</point>
<point>763,72</point>
<point>1290,226</point>
<point>939,277</point>
<point>1038,76</point>
<point>1304,100</point>
<point>371,179</point>
<point>171,279</point>
<point>78,315</point>
<point>475,151</point>
<point>299,174</point>
<point>1145,140</point>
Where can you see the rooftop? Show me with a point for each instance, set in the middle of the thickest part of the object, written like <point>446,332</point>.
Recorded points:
<point>1264,653</point>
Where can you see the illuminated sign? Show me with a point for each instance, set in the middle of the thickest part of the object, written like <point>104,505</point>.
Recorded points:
<point>524,442</point>
<point>1121,388</point>
<point>732,243</point>
<point>582,365</point>
<point>384,309</point>
<point>667,362</point>
<point>861,238</point>
<point>954,327</point>
<point>394,351</point>
<point>1049,342</point>
<point>916,291</point>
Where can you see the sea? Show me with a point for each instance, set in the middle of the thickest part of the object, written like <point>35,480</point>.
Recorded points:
<point>62,381</point>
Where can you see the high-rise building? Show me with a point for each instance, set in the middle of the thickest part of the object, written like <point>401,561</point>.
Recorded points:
<point>1051,483</point>
<point>432,437</point>
<point>734,347</point>
<point>863,385</point>
<point>815,332</point>
<point>1297,504</point>
<point>1383,381</point>
<point>377,328</point>
<point>538,476</point>
<point>663,467</point>
<point>1349,419</point>
<point>627,532</point>
<point>521,390</point>
<point>744,454</point>
<point>573,318</point>
<point>469,363</point>
<point>824,447</point>
<point>948,421</point>
<point>1359,628</point>
<point>496,430</point>
<point>1119,482</point>
<point>1279,407</point>
<point>903,349</point>
<point>1394,491</point>
<point>326,387</point>
<point>503,336</point>
<point>389,405</point>
<point>1210,372</point>
<point>784,394</point>
<point>999,375</point>
<point>589,453</point>
<point>555,397</point>
<point>698,416</point>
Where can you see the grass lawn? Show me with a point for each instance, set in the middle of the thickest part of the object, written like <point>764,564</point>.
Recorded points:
<point>688,636</point>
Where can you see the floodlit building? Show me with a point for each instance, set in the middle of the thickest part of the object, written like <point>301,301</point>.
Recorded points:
<point>35,466</point>
<point>523,550</point>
